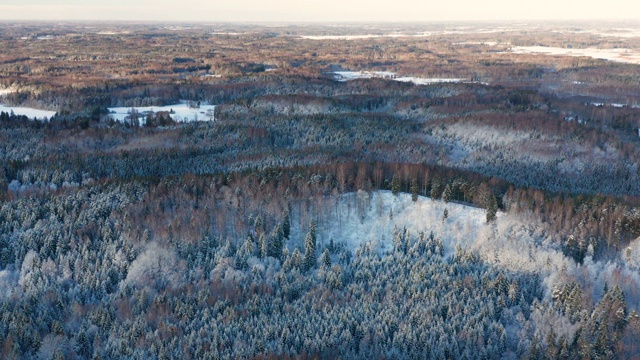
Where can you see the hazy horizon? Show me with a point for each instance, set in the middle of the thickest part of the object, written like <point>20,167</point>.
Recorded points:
<point>288,11</point>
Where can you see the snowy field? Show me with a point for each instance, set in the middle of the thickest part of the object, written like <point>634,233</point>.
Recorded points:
<point>451,31</point>
<point>619,55</point>
<point>353,75</point>
<point>7,91</point>
<point>513,242</point>
<point>617,32</point>
<point>181,112</point>
<point>29,112</point>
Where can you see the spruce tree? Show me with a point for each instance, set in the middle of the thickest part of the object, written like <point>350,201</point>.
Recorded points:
<point>435,189</point>
<point>286,224</point>
<point>395,185</point>
<point>492,207</point>
<point>325,259</point>
<point>262,241</point>
<point>310,247</point>
<point>296,259</point>
<point>446,194</point>
<point>276,242</point>
<point>414,189</point>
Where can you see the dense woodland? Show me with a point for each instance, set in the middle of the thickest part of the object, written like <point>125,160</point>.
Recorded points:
<point>200,240</point>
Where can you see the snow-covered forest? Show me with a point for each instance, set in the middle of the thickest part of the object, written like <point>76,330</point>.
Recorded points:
<point>446,197</point>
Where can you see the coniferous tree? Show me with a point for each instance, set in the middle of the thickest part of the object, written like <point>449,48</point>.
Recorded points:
<point>276,242</point>
<point>435,189</point>
<point>492,208</point>
<point>310,247</point>
<point>264,249</point>
<point>325,259</point>
<point>446,194</point>
<point>286,224</point>
<point>395,184</point>
<point>414,189</point>
<point>296,259</point>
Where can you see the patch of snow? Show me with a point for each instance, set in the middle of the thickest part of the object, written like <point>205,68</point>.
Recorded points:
<point>353,75</point>
<point>487,43</point>
<point>29,112</point>
<point>426,81</point>
<point>181,112</point>
<point>358,220</point>
<point>7,91</point>
<point>619,33</point>
<point>616,105</point>
<point>622,55</point>
<point>514,242</point>
<point>450,31</point>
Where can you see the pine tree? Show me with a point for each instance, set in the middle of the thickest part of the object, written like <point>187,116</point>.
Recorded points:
<point>492,207</point>
<point>259,227</point>
<point>248,244</point>
<point>435,189</point>
<point>325,259</point>
<point>446,194</point>
<point>397,240</point>
<point>312,230</point>
<point>296,259</point>
<point>276,242</point>
<point>395,185</point>
<point>286,224</point>
<point>414,189</point>
<point>310,247</point>
<point>262,241</point>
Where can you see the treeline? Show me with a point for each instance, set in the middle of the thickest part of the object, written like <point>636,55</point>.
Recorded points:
<point>577,222</point>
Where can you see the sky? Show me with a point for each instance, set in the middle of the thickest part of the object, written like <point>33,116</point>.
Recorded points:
<point>318,10</point>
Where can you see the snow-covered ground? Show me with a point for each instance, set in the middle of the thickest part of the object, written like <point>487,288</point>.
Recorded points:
<point>7,91</point>
<point>619,55</point>
<point>426,81</point>
<point>449,31</point>
<point>618,105</point>
<point>514,242</point>
<point>181,112</point>
<point>29,112</point>
<point>353,75</point>
<point>619,33</point>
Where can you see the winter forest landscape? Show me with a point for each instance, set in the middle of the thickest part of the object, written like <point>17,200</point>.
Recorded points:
<point>318,189</point>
